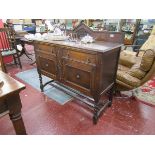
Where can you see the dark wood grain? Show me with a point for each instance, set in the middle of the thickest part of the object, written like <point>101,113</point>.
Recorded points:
<point>10,101</point>
<point>87,68</point>
<point>108,36</point>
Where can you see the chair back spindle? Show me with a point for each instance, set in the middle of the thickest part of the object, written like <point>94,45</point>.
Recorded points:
<point>7,39</point>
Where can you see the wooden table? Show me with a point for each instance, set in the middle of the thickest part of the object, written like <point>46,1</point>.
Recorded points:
<point>23,41</point>
<point>10,102</point>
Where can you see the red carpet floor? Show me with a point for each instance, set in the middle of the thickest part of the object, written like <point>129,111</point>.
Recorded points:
<point>42,115</point>
<point>146,93</point>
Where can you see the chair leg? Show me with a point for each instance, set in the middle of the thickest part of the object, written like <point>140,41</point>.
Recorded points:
<point>14,58</point>
<point>19,62</point>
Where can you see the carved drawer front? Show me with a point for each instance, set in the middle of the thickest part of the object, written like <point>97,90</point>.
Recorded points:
<point>80,77</point>
<point>48,66</point>
<point>46,49</point>
<point>78,56</point>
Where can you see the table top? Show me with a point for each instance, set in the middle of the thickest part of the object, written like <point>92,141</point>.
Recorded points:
<point>99,46</point>
<point>9,85</point>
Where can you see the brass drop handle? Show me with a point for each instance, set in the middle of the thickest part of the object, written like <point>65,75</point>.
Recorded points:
<point>52,51</point>
<point>77,76</point>
<point>68,55</point>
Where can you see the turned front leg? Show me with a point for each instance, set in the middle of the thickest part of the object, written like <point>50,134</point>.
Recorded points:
<point>18,123</point>
<point>14,107</point>
<point>41,80</point>
<point>96,110</point>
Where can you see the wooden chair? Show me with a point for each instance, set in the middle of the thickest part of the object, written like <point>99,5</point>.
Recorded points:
<point>8,45</point>
<point>2,66</point>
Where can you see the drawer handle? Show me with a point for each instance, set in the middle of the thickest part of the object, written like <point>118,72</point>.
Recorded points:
<point>52,51</point>
<point>68,55</point>
<point>46,65</point>
<point>78,76</point>
<point>88,60</point>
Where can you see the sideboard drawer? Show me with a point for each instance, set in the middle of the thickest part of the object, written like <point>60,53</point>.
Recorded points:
<point>46,49</point>
<point>47,65</point>
<point>80,56</point>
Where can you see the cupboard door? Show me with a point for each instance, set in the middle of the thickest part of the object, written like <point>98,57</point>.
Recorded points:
<point>48,67</point>
<point>78,76</point>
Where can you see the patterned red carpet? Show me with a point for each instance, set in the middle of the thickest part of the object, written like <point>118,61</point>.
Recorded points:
<point>146,93</point>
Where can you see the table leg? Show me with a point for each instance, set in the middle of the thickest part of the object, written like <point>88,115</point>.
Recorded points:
<point>24,50</point>
<point>14,106</point>
<point>18,124</point>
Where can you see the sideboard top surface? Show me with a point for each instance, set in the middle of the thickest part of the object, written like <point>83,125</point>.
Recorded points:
<point>99,46</point>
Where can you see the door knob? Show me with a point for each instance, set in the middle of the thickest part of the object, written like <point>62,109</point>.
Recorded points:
<point>77,76</point>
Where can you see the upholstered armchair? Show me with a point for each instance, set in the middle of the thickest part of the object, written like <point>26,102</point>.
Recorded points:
<point>132,74</point>
<point>135,69</point>
<point>126,55</point>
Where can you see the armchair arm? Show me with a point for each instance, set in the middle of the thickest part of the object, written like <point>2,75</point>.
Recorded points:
<point>131,46</point>
<point>144,51</point>
<point>139,51</point>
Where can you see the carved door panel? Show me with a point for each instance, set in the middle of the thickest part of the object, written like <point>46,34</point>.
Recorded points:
<point>79,76</point>
<point>48,66</point>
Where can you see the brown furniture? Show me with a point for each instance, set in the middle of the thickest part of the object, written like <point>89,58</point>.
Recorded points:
<point>137,68</point>
<point>8,45</point>
<point>10,102</point>
<point>132,76</point>
<point>21,40</point>
<point>2,66</point>
<point>82,30</point>
<point>89,70</point>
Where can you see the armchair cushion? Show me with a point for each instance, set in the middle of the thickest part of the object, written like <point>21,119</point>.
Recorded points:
<point>127,79</point>
<point>123,68</point>
<point>128,59</point>
<point>147,60</point>
<point>135,71</point>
